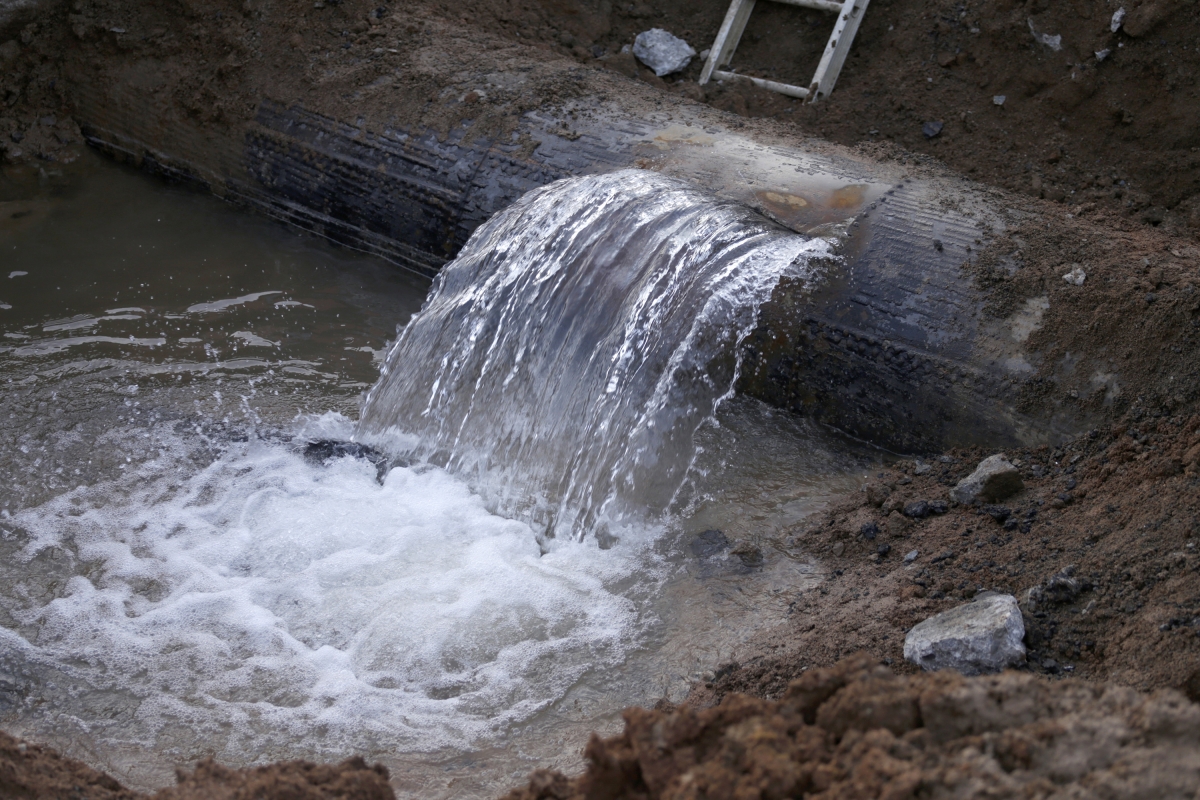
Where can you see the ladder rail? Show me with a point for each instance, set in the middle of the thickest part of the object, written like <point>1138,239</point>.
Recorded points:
<point>849,17</point>
<point>728,37</point>
<point>817,5</point>
<point>838,48</point>
<point>798,92</point>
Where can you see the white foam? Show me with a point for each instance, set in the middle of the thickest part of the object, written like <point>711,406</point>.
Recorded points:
<point>262,598</point>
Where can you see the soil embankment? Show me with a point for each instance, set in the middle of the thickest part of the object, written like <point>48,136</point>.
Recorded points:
<point>1102,546</point>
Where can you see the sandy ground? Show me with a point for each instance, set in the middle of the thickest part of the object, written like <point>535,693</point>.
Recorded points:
<point>1101,547</point>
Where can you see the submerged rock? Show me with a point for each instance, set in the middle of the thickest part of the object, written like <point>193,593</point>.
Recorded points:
<point>322,451</point>
<point>982,636</point>
<point>994,479</point>
<point>662,52</point>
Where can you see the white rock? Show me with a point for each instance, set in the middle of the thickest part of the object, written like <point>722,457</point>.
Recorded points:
<point>1053,42</point>
<point>998,100</point>
<point>979,637</point>
<point>1075,277</point>
<point>1118,19</point>
<point>994,479</point>
<point>662,52</point>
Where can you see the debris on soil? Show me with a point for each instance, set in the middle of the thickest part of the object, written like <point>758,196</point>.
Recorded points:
<point>858,730</point>
<point>1101,548</point>
<point>985,635</point>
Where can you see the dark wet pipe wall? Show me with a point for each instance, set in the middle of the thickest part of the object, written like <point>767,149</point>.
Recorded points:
<point>891,347</point>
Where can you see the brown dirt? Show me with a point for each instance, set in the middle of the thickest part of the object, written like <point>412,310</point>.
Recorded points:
<point>1102,549</point>
<point>1126,337</point>
<point>859,731</point>
<point>1122,132</point>
<point>35,772</point>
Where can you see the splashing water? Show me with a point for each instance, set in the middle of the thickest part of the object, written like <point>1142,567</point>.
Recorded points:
<point>565,360</point>
<point>177,581</point>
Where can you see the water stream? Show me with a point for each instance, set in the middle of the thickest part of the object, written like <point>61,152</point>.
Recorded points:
<point>177,580</point>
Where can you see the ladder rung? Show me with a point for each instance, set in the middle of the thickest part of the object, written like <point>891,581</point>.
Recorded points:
<point>774,86</point>
<point>819,5</point>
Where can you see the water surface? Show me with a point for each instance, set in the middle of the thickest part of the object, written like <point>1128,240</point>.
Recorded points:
<point>178,581</point>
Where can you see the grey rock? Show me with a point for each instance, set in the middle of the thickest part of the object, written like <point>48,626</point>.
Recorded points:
<point>911,556</point>
<point>662,52</point>
<point>994,479</point>
<point>979,637</point>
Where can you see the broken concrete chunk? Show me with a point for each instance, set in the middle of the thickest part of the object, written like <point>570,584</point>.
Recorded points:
<point>662,52</point>
<point>979,637</point>
<point>1076,276</point>
<point>994,479</point>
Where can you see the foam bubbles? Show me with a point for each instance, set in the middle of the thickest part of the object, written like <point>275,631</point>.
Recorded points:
<point>261,604</point>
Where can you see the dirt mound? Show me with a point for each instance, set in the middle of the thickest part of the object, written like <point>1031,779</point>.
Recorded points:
<point>32,771</point>
<point>1038,97</point>
<point>1089,115</point>
<point>1102,548</point>
<point>859,731</point>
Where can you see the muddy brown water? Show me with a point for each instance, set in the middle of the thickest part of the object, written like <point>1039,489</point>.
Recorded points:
<point>178,582</point>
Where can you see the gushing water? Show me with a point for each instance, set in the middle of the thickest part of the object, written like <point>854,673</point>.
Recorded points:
<point>565,360</point>
<point>177,581</point>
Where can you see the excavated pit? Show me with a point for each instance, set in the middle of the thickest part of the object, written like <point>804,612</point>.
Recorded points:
<point>945,323</point>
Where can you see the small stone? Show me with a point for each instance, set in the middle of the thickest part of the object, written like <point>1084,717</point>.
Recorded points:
<point>1075,277</point>
<point>662,52</point>
<point>709,544</point>
<point>999,99</point>
<point>917,510</point>
<point>869,531</point>
<point>884,549</point>
<point>998,513</point>
<point>994,479</point>
<point>911,556</point>
<point>838,548</point>
<point>979,637</point>
<point>922,468</point>
<point>932,129</point>
<point>897,523</point>
<point>1118,19</point>
<point>877,493</point>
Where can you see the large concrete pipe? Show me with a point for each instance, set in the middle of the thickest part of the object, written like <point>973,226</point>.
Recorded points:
<point>893,347</point>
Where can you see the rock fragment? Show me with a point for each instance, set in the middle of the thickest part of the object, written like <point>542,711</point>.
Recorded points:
<point>994,479</point>
<point>662,52</point>
<point>1076,276</point>
<point>979,637</point>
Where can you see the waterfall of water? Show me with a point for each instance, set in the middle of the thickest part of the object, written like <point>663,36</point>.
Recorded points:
<point>564,361</point>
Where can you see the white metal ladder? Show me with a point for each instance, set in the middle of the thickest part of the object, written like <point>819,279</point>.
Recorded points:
<point>850,14</point>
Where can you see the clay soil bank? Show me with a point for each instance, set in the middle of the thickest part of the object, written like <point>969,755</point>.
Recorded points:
<point>1102,156</point>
